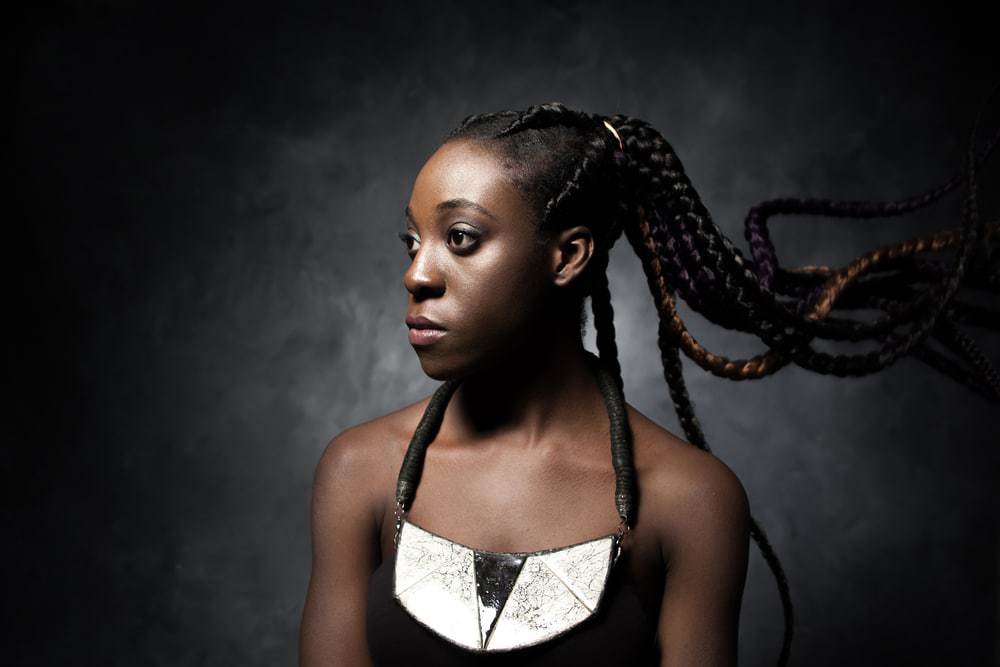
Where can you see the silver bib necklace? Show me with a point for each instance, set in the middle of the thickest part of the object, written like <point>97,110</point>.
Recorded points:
<point>490,601</point>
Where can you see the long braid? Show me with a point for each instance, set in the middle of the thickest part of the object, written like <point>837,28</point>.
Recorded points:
<point>645,247</point>
<point>604,319</point>
<point>759,237</point>
<point>427,428</point>
<point>822,300</point>
<point>960,343</point>
<point>724,281</point>
<point>782,326</point>
<point>570,169</point>
<point>954,370</point>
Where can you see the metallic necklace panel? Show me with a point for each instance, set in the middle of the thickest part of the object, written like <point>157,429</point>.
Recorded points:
<point>498,601</point>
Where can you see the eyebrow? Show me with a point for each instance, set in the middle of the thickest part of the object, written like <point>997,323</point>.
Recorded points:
<point>453,203</point>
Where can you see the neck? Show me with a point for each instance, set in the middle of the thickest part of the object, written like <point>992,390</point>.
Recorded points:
<point>528,395</point>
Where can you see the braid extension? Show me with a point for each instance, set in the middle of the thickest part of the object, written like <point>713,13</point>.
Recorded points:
<point>604,318</point>
<point>960,343</point>
<point>980,274</point>
<point>867,290</point>
<point>898,346</point>
<point>570,168</point>
<point>981,377</point>
<point>669,321</point>
<point>759,237</point>
<point>644,246</point>
<point>427,428</point>
<point>781,333</point>
<point>976,316</point>
<point>673,373</point>
<point>822,303</point>
<point>949,367</point>
<point>621,440</point>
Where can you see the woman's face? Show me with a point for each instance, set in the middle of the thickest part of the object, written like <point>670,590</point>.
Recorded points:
<point>479,268</point>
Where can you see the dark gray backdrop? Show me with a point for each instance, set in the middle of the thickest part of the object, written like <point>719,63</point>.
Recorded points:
<point>206,286</point>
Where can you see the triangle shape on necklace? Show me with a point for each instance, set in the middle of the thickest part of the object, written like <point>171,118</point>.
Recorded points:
<point>496,574</point>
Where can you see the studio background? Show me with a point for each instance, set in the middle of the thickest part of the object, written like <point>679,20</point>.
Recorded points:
<point>207,286</point>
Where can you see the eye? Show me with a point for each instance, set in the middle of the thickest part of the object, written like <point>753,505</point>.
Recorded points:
<point>462,239</point>
<point>408,240</point>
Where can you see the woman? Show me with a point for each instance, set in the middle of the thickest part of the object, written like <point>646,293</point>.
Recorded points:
<point>508,228</point>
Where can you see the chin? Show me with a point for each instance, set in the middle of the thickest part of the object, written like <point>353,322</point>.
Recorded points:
<point>444,365</point>
<point>440,368</point>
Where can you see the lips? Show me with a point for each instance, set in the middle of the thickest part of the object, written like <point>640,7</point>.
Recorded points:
<point>421,322</point>
<point>423,330</point>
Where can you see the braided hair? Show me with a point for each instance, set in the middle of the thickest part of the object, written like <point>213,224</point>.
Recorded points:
<point>572,170</point>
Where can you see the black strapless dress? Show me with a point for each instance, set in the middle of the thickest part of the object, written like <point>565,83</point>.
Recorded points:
<point>618,633</point>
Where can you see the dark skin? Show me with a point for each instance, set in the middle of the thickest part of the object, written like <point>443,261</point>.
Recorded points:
<point>522,460</point>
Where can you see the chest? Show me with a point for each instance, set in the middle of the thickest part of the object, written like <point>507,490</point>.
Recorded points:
<point>527,503</point>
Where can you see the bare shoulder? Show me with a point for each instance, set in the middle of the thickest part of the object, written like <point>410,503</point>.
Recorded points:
<point>684,489</point>
<point>366,456</point>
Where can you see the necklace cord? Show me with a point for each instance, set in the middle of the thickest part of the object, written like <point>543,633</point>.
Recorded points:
<point>621,447</point>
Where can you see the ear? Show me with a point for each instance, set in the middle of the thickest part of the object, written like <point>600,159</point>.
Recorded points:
<point>571,251</point>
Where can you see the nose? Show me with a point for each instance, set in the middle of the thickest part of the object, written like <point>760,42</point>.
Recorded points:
<point>424,278</point>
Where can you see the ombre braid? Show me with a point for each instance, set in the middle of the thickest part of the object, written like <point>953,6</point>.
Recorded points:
<point>573,171</point>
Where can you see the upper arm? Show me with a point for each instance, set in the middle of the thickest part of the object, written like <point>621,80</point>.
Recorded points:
<point>344,554</point>
<point>708,536</point>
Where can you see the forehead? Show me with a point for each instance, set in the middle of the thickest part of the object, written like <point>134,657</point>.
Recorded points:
<point>462,169</point>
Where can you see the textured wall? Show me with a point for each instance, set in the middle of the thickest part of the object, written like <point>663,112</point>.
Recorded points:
<point>207,287</point>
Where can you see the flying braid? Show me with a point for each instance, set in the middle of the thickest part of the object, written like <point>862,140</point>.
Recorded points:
<point>572,170</point>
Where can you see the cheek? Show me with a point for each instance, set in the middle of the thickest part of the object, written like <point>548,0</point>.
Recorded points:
<point>502,295</point>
